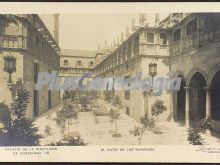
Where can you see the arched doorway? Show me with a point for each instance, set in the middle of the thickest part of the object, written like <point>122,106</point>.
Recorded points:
<point>215,97</point>
<point>197,97</point>
<point>181,96</point>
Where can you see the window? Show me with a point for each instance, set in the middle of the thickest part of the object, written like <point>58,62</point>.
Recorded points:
<point>42,46</point>
<point>176,36</point>
<point>191,27</point>
<point>79,63</point>
<point>163,38</point>
<point>136,41</point>
<point>36,103</point>
<point>36,70</point>
<point>49,103</point>
<point>150,37</point>
<point>37,41</point>
<point>65,62</point>
<point>127,111</point>
<point>127,66</point>
<point>127,92</point>
<point>91,64</point>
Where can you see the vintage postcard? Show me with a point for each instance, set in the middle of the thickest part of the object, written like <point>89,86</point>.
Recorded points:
<point>110,82</point>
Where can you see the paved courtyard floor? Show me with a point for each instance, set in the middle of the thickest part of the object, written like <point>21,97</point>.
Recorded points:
<point>100,133</point>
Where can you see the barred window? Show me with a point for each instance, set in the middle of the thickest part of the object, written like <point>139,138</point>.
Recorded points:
<point>191,27</point>
<point>91,63</point>
<point>150,37</point>
<point>66,62</point>
<point>127,92</point>
<point>163,37</point>
<point>79,63</point>
<point>176,35</point>
<point>36,70</point>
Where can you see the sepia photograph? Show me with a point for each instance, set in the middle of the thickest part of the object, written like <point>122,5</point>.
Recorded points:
<point>93,79</point>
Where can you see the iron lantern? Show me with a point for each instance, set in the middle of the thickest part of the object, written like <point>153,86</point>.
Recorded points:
<point>152,69</point>
<point>9,66</point>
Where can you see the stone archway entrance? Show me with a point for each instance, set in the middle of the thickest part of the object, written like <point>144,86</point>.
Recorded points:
<point>215,97</point>
<point>180,114</point>
<point>197,97</point>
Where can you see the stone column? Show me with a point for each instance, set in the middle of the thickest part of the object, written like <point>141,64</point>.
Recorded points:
<point>132,52</point>
<point>187,107</point>
<point>208,103</point>
<point>171,107</point>
<point>132,48</point>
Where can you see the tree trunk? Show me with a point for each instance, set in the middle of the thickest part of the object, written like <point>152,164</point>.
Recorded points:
<point>139,140</point>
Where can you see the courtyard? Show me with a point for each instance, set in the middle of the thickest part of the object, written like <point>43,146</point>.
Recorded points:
<point>98,130</point>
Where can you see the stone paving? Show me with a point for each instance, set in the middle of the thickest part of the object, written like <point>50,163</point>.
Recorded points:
<point>101,133</point>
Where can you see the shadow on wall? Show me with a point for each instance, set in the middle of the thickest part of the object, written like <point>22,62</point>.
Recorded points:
<point>4,108</point>
<point>4,119</point>
<point>4,113</point>
<point>17,130</point>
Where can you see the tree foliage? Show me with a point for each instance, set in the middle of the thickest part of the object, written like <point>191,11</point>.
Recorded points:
<point>108,96</point>
<point>194,134</point>
<point>116,101</point>
<point>72,141</point>
<point>20,130</point>
<point>4,113</point>
<point>138,132</point>
<point>148,123</point>
<point>114,116</point>
<point>158,108</point>
<point>83,98</point>
<point>68,112</point>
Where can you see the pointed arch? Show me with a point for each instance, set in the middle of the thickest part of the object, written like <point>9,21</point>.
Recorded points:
<point>213,72</point>
<point>197,96</point>
<point>215,95</point>
<point>179,73</point>
<point>193,72</point>
<point>180,99</point>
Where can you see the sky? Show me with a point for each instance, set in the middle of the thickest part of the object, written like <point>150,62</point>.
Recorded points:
<point>87,31</point>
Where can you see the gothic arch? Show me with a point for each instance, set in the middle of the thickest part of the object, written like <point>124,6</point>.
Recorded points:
<point>197,95</point>
<point>180,99</point>
<point>193,72</point>
<point>214,78</point>
<point>212,73</point>
<point>179,73</point>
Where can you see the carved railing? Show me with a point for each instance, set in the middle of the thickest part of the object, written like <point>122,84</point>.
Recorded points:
<point>155,49</point>
<point>10,41</point>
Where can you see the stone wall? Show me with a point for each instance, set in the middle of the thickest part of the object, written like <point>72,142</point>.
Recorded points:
<point>203,60</point>
<point>5,94</point>
<point>29,84</point>
<point>162,72</point>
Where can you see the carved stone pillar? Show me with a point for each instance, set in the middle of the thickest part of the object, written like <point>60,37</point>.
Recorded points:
<point>171,107</point>
<point>208,103</point>
<point>187,107</point>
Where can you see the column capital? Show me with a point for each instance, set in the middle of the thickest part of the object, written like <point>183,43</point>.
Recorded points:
<point>186,87</point>
<point>206,87</point>
<point>187,106</point>
<point>208,104</point>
